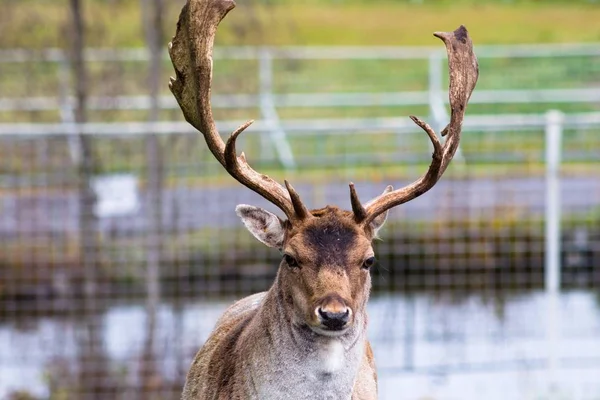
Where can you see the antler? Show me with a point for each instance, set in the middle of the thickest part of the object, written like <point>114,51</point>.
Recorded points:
<point>191,55</point>
<point>464,71</point>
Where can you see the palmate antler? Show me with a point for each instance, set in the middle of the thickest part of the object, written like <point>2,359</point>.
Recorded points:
<point>464,71</point>
<point>191,54</point>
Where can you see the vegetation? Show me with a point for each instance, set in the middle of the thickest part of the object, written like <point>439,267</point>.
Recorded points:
<point>506,243</point>
<point>116,23</point>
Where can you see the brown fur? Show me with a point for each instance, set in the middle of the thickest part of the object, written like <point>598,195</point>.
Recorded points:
<point>263,329</point>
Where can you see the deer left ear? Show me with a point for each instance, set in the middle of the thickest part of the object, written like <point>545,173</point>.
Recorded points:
<point>378,222</point>
<point>263,225</point>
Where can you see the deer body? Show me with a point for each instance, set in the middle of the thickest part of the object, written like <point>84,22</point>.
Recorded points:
<point>263,349</point>
<point>271,360</point>
<point>305,338</point>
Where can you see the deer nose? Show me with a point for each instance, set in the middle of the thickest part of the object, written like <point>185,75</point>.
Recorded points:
<point>333,320</point>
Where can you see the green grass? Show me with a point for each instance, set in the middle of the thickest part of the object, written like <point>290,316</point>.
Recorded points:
<point>39,24</point>
<point>116,24</point>
<point>43,23</point>
<point>314,76</point>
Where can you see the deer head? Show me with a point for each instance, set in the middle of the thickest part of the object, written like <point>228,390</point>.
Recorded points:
<point>324,273</point>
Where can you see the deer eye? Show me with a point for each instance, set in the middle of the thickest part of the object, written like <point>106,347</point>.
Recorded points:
<point>368,263</point>
<point>290,261</point>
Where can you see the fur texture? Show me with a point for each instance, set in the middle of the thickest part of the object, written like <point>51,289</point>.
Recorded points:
<point>272,345</point>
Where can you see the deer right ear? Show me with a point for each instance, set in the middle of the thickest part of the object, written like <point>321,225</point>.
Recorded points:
<point>263,225</point>
<point>379,220</point>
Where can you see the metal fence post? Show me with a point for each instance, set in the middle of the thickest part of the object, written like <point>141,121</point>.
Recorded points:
<point>265,87</point>
<point>436,103</point>
<point>554,128</point>
<point>269,113</point>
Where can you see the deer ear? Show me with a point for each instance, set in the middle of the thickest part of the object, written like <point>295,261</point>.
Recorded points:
<point>263,225</point>
<point>379,220</point>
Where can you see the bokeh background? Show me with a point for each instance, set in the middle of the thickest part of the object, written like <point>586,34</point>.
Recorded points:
<point>119,245</point>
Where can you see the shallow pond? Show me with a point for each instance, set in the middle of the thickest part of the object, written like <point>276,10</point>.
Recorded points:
<point>427,346</point>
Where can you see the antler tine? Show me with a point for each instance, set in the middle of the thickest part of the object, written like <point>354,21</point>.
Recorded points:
<point>239,168</point>
<point>464,70</point>
<point>300,209</point>
<point>360,214</point>
<point>191,55</point>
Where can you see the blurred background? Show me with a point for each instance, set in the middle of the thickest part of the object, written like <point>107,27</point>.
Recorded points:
<point>120,248</point>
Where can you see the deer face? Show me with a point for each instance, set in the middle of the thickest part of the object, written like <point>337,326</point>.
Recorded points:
<point>324,272</point>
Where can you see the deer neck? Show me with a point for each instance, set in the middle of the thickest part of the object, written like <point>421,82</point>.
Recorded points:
<point>303,364</point>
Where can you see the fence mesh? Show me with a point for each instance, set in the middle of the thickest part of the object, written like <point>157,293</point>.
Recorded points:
<point>457,310</point>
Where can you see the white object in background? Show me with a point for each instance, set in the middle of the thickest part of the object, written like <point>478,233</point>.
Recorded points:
<point>117,195</point>
<point>554,127</point>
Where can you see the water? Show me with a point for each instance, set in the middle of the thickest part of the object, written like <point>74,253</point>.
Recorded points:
<point>427,346</point>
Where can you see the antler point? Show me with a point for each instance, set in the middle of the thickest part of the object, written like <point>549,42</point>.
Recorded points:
<point>191,52</point>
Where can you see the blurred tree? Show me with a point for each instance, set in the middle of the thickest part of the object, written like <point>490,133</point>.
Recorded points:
<point>151,12</point>
<point>85,161</point>
<point>92,379</point>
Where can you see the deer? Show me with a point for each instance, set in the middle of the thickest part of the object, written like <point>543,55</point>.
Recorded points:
<point>306,336</point>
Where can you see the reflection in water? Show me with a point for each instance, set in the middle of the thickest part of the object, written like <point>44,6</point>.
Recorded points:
<point>438,346</point>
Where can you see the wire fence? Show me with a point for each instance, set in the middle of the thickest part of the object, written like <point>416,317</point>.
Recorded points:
<point>459,288</point>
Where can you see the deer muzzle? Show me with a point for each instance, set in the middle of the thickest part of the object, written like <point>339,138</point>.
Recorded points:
<point>333,313</point>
